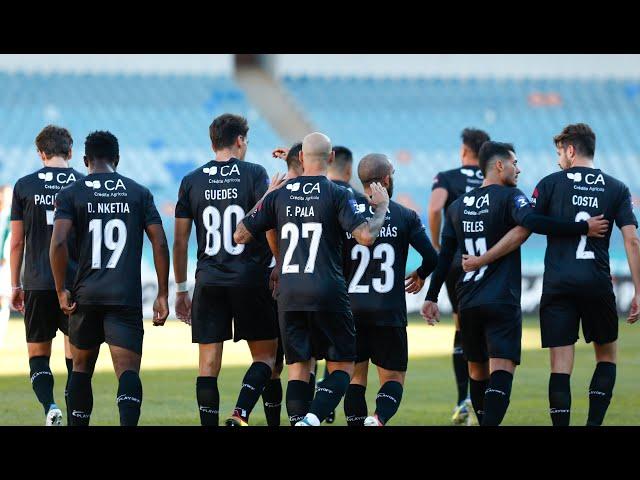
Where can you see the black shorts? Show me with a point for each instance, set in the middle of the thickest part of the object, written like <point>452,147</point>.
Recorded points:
<point>386,346</point>
<point>215,308</point>
<point>491,331</point>
<point>450,282</point>
<point>119,325</point>
<point>42,316</point>
<point>560,317</point>
<point>328,335</point>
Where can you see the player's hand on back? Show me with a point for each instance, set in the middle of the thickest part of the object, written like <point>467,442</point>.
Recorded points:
<point>598,226</point>
<point>471,263</point>
<point>379,195</point>
<point>635,309</point>
<point>160,311</point>
<point>183,307</point>
<point>413,283</point>
<point>17,300</point>
<point>66,305</point>
<point>430,312</point>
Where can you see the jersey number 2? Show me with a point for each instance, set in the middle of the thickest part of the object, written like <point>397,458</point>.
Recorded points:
<point>581,252</point>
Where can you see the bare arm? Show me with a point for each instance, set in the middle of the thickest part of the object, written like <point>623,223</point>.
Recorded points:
<point>632,248</point>
<point>367,232</point>
<point>437,202</point>
<point>507,244</point>
<point>158,240</point>
<point>15,259</point>
<point>59,258</point>
<point>181,233</point>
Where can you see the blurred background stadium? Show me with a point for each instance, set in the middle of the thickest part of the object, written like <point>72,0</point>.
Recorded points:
<point>411,107</point>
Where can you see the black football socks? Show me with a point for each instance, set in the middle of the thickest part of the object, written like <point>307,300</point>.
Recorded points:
<point>329,393</point>
<point>496,397</point>
<point>253,384</point>
<point>560,399</point>
<point>42,381</point>
<point>355,405</point>
<point>80,399</point>
<point>208,399</point>
<point>477,388</point>
<point>600,392</point>
<point>460,368</point>
<point>129,398</point>
<point>297,400</point>
<point>272,400</point>
<point>388,400</point>
<point>69,363</point>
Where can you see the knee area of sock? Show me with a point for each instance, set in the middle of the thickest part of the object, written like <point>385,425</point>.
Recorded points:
<point>39,363</point>
<point>604,377</point>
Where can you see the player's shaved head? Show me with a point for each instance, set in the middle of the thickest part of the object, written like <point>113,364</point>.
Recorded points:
<point>316,147</point>
<point>373,168</point>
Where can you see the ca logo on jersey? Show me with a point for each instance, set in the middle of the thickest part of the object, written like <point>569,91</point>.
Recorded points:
<point>108,184</point>
<point>589,178</point>
<point>470,173</point>
<point>293,187</point>
<point>479,203</point>
<point>225,170</point>
<point>47,177</point>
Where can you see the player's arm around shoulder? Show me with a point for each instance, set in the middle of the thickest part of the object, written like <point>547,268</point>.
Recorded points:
<point>367,232</point>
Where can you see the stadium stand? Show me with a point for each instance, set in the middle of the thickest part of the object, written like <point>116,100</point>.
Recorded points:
<point>417,122</point>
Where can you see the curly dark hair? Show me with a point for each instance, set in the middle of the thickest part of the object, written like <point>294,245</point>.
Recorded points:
<point>102,145</point>
<point>474,138</point>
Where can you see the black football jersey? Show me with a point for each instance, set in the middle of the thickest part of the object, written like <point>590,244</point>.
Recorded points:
<point>346,185</point>
<point>581,264</point>
<point>34,203</point>
<point>110,213</point>
<point>311,215</point>
<point>458,182</point>
<point>477,221</point>
<point>217,196</point>
<point>375,275</point>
